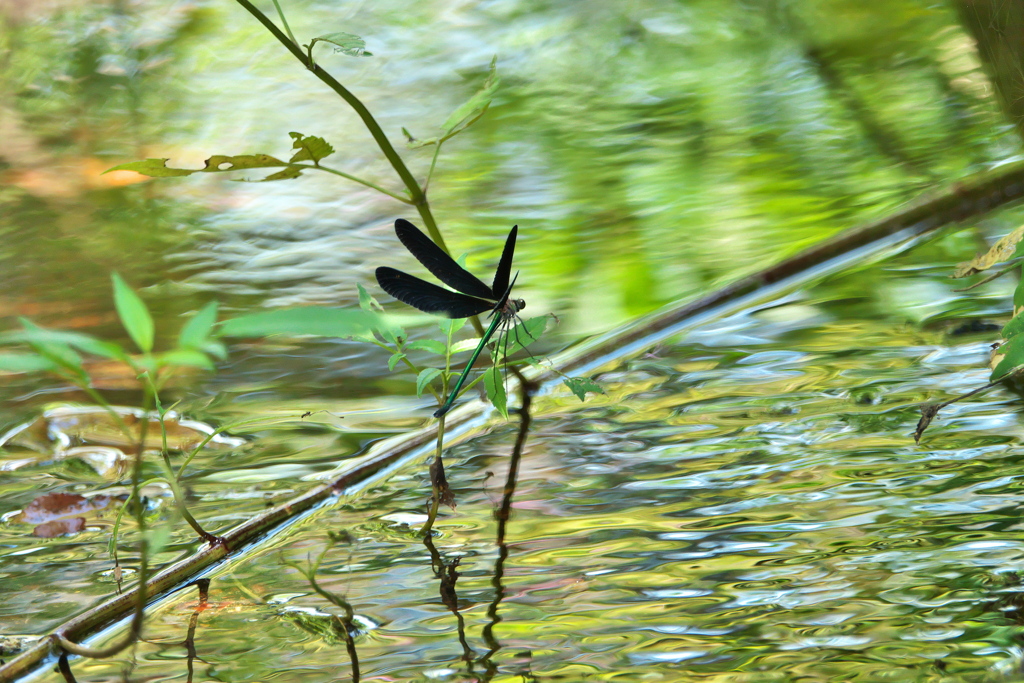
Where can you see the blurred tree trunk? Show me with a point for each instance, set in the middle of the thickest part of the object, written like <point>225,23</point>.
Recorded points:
<point>998,28</point>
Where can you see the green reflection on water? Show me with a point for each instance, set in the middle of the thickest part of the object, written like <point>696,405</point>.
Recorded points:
<point>746,502</point>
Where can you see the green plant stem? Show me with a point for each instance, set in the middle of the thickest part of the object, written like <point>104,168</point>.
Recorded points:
<point>141,590</point>
<point>416,194</point>
<point>355,179</point>
<point>408,363</point>
<point>284,22</point>
<point>173,481</point>
<point>433,162</point>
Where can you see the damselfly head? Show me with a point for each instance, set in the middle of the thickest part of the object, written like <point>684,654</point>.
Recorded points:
<point>519,304</point>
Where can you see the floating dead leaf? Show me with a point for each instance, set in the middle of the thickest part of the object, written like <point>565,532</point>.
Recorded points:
<point>59,527</point>
<point>63,427</point>
<point>53,506</point>
<point>1001,251</point>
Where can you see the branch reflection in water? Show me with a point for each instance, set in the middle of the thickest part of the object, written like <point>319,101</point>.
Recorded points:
<point>447,575</point>
<point>203,585</point>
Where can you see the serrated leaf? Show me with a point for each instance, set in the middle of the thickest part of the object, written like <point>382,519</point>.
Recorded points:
<point>133,313</point>
<point>581,385</point>
<point>431,345</point>
<point>395,359</point>
<point>25,362</point>
<point>465,345</point>
<point>526,333</point>
<point>450,326</point>
<point>317,321</point>
<point>426,376</point>
<point>366,300</point>
<point>186,357</point>
<point>1001,251</point>
<point>196,332</point>
<point>345,43</point>
<point>1014,327</point>
<point>494,384</point>
<point>310,148</point>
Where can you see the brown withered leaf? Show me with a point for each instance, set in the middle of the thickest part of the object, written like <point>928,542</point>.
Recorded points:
<point>54,506</point>
<point>59,527</point>
<point>437,477</point>
<point>1001,251</point>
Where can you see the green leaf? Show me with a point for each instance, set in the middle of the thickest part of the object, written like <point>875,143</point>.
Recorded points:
<point>1013,356</point>
<point>426,376</point>
<point>154,168</point>
<point>431,345</point>
<point>317,321</point>
<point>395,359</point>
<point>345,43</point>
<point>494,384</point>
<point>465,345</point>
<point>286,174</point>
<point>581,385</point>
<point>133,313</point>
<point>33,334</point>
<point>311,148</point>
<point>196,331</point>
<point>52,348</point>
<point>526,333</point>
<point>186,357</point>
<point>25,362</point>
<point>218,163</point>
<point>1014,327</point>
<point>366,300</point>
<point>450,326</point>
<point>468,113</point>
<point>215,348</point>
<point>1018,294</point>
